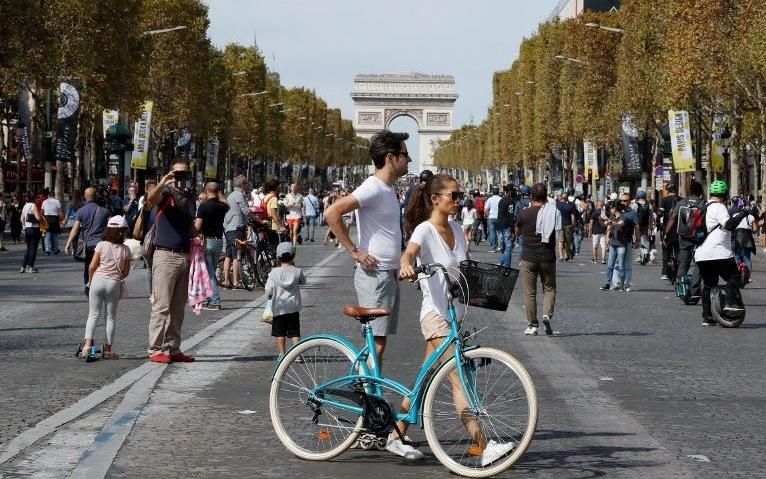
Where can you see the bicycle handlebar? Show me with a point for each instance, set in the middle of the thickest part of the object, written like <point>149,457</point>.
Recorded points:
<point>430,269</point>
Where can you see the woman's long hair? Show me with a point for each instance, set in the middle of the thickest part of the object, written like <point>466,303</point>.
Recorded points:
<point>420,206</point>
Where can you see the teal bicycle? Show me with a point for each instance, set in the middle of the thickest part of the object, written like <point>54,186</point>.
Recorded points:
<point>470,400</point>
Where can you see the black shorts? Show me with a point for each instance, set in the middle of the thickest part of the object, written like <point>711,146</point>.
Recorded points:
<point>288,325</point>
<point>237,234</point>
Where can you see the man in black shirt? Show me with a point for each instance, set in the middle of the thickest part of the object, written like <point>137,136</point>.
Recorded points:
<point>170,265</point>
<point>565,237</point>
<point>670,238</point>
<point>209,222</point>
<point>538,258</point>
<point>506,219</point>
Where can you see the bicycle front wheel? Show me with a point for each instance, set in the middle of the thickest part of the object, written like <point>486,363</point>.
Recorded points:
<point>309,427</point>
<point>247,275</point>
<point>263,265</point>
<point>489,441</point>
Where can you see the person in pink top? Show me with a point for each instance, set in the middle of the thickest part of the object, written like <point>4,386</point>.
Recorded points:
<point>110,266</point>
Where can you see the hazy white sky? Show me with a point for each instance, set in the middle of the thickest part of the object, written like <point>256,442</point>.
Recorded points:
<point>324,44</point>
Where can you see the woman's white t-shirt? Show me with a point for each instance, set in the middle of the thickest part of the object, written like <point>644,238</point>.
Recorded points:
<point>433,249</point>
<point>469,216</point>
<point>28,209</point>
<point>717,245</point>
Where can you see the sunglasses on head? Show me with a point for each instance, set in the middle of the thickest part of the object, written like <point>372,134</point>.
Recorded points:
<point>455,195</point>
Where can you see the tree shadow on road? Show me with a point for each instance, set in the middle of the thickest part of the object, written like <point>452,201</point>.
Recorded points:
<point>588,461</point>
<point>604,333</point>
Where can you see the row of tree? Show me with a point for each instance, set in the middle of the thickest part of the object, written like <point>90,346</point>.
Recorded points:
<point>114,49</point>
<point>575,81</point>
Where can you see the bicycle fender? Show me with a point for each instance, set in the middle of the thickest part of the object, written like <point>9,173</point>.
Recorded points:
<point>331,337</point>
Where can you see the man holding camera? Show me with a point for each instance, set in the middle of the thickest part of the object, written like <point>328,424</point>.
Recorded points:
<point>170,266</point>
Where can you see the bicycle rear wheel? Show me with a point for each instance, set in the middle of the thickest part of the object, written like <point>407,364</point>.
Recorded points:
<point>293,414</point>
<point>247,275</point>
<point>506,420</point>
<point>263,264</point>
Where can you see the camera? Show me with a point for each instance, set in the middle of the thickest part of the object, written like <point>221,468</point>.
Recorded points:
<point>181,176</point>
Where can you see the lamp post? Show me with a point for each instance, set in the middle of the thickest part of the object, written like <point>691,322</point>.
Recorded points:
<point>725,140</point>
<point>116,144</point>
<point>602,27</point>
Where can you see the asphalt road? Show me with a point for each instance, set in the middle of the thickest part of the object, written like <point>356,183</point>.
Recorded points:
<point>630,386</point>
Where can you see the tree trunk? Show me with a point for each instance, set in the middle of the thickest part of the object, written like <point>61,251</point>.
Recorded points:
<point>762,124</point>
<point>734,155</point>
<point>2,161</point>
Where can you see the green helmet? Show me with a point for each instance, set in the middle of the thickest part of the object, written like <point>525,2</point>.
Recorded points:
<point>719,188</point>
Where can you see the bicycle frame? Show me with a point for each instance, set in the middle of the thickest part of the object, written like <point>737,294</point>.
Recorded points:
<point>373,380</point>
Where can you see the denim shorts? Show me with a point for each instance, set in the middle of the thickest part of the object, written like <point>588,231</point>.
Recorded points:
<point>379,289</point>
<point>237,234</point>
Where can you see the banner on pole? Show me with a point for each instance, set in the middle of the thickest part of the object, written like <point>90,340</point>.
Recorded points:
<point>211,165</point>
<point>138,159</point>
<point>109,118</point>
<point>591,159</point>
<point>529,177</point>
<point>68,113</point>
<point>680,141</point>
<point>632,158</point>
<point>26,113</point>
<point>717,161</point>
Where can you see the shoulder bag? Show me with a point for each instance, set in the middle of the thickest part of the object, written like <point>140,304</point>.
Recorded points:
<point>82,246</point>
<point>149,245</point>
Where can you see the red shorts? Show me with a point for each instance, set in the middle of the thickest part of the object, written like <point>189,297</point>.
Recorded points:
<point>294,221</point>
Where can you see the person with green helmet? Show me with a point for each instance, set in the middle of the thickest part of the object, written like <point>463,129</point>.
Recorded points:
<point>714,256</point>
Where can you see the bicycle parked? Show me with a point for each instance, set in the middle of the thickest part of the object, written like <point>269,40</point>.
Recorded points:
<point>325,393</point>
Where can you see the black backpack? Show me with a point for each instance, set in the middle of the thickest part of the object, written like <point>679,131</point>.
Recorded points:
<point>644,213</point>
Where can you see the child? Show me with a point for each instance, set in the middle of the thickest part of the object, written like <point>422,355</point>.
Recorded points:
<point>283,289</point>
<point>109,267</point>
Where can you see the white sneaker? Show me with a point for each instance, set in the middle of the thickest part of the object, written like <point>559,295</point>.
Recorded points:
<point>627,289</point>
<point>531,331</point>
<point>494,451</point>
<point>404,450</point>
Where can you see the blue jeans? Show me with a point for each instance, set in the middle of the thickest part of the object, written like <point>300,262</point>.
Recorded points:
<point>577,241</point>
<point>493,233</point>
<point>628,265</point>
<point>615,267</point>
<point>311,225</point>
<point>51,242</point>
<point>213,249</point>
<point>744,255</point>
<point>505,259</point>
<point>32,236</point>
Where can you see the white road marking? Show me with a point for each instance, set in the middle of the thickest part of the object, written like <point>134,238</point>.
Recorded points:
<point>699,457</point>
<point>605,378</point>
<point>246,411</point>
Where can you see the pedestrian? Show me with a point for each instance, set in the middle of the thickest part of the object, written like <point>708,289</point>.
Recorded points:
<point>271,205</point>
<point>744,241</point>
<point>469,216</point>
<point>4,213</point>
<point>480,224</point>
<point>52,212</point>
<point>311,209</point>
<point>14,216</point>
<point>619,230</point>
<point>331,198</point>
<point>294,204</point>
<point>565,236</point>
<point>106,275</point>
<point>597,229</point>
<point>378,247</point>
<point>283,289</point>
<point>539,225</point>
<point>130,209</point>
<point>235,228</point>
<point>91,219</point>
<point>632,237</point>
<point>209,222</point>
<point>494,234</point>
<point>670,238</point>
<point>170,265</point>
<point>714,257</point>
<point>645,225</point>
<point>31,218</point>
<point>506,219</point>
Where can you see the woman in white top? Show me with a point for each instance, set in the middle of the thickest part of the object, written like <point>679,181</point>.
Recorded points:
<point>106,272</point>
<point>294,205</point>
<point>434,239</point>
<point>30,221</point>
<point>469,216</point>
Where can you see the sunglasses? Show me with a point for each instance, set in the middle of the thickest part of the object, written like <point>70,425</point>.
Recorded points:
<point>455,195</point>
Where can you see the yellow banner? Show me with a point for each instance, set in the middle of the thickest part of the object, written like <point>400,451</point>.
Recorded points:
<point>717,161</point>
<point>591,159</point>
<point>211,166</point>
<point>141,133</point>
<point>681,141</point>
<point>529,177</point>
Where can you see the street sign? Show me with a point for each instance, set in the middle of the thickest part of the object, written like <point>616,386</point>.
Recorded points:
<point>579,179</point>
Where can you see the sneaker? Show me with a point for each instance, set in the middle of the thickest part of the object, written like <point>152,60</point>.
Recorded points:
<point>160,358</point>
<point>28,269</point>
<point>33,270</point>
<point>531,331</point>
<point>547,324</point>
<point>617,288</point>
<point>491,251</point>
<point>665,277</point>
<point>605,287</point>
<point>708,322</point>
<point>494,451</point>
<point>181,358</point>
<point>400,449</point>
<point>603,261</point>
<point>733,308</point>
<point>593,260</point>
<point>212,307</point>
<point>627,289</point>
<point>22,270</point>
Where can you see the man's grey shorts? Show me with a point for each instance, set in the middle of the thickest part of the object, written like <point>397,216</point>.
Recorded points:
<point>379,289</point>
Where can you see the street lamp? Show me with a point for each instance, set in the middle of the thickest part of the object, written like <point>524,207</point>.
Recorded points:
<point>276,104</point>
<point>164,30</point>
<point>570,59</point>
<point>239,73</point>
<point>602,27</point>
<point>253,94</point>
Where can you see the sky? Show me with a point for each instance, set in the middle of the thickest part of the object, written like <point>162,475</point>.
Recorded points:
<point>323,44</point>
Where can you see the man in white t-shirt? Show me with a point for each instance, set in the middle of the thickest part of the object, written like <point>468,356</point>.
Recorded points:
<point>52,211</point>
<point>379,236</point>
<point>715,257</point>
<point>294,205</point>
<point>310,213</point>
<point>495,233</point>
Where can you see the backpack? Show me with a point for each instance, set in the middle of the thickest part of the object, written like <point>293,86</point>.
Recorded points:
<point>644,212</point>
<point>692,223</point>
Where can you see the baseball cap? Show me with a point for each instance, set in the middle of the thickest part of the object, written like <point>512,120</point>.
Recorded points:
<point>285,248</point>
<point>117,222</point>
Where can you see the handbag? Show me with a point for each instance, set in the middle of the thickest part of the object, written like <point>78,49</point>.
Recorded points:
<point>149,245</point>
<point>82,251</point>
<point>268,315</point>
<point>139,229</point>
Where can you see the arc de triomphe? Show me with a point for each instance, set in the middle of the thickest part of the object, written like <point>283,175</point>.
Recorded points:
<point>427,99</point>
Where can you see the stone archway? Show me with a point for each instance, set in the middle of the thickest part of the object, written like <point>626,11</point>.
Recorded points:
<point>427,99</point>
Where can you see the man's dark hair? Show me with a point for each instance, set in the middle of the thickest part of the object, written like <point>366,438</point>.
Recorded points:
<point>383,143</point>
<point>271,185</point>
<point>695,188</point>
<point>539,192</point>
<point>426,175</point>
<point>179,162</point>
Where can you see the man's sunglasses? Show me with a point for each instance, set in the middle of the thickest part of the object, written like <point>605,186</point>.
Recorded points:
<point>455,195</point>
